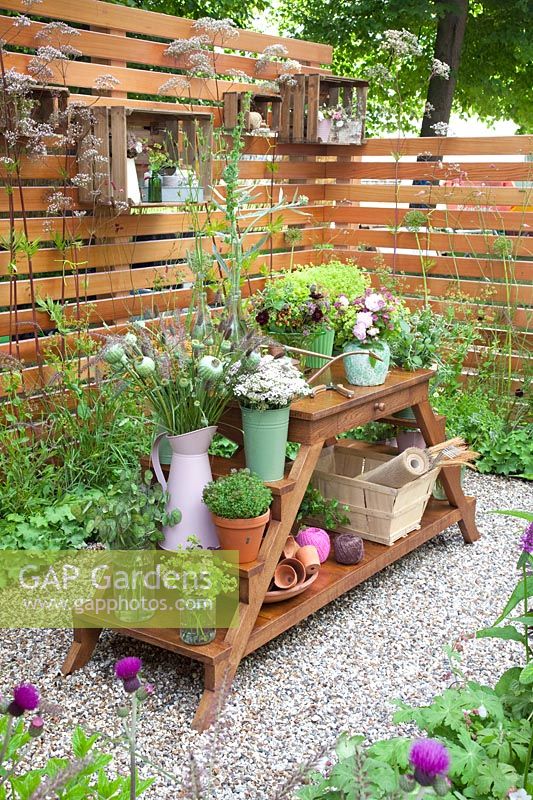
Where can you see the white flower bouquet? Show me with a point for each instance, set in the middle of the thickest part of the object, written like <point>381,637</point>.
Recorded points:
<point>274,383</point>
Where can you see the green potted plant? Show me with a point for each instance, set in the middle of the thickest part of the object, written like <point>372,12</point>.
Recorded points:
<point>240,507</point>
<point>365,323</point>
<point>265,395</point>
<point>295,313</point>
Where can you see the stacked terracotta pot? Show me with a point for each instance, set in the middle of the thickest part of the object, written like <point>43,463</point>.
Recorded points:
<point>295,567</point>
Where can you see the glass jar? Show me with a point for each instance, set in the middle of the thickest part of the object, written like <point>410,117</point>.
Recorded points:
<point>197,626</point>
<point>155,192</point>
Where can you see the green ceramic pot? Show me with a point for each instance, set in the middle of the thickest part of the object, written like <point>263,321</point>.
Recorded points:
<point>438,489</point>
<point>323,343</point>
<point>363,370</point>
<point>265,439</point>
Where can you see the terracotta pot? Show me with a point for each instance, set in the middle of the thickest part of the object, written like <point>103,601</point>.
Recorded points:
<point>244,535</point>
<point>297,566</point>
<point>308,555</point>
<point>285,576</point>
<point>291,547</point>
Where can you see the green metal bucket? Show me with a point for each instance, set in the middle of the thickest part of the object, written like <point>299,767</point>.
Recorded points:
<point>323,343</point>
<point>265,439</point>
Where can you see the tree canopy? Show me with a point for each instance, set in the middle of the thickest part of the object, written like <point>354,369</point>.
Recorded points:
<point>495,76</point>
<point>240,11</point>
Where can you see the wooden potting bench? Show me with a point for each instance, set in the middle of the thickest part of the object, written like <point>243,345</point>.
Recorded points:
<point>314,423</point>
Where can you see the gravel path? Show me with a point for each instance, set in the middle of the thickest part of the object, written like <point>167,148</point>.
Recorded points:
<point>339,670</point>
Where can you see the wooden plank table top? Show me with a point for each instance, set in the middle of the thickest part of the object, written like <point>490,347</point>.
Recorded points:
<point>314,423</point>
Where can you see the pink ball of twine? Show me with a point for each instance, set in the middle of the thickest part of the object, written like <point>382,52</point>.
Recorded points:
<point>317,537</point>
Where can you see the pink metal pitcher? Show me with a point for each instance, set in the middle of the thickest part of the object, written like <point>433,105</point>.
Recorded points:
<point>189,472</point>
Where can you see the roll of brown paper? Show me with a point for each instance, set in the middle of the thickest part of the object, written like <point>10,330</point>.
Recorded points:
<point>308,555</point>
<point>399,471</point>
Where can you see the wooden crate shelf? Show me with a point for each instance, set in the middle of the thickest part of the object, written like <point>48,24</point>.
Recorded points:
<point>185,135</point>
<point>305,96</point>
<point>267,105</point>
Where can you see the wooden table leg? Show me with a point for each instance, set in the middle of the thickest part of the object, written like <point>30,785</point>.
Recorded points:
<point>434,432</point>
<point>81,649</point>
<point>278,531</point>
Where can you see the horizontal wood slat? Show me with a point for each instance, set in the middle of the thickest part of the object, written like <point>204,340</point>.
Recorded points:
<point>49,259</point>
<point>109,46</point>
<point>125,280</point>
<point>446,146</point>
<point>469,196</point>
<point>447,218</point>
<point>476,172</point>
<point>152,23</point>
<point>85,75</point>
<point>139,224</point>
<point>457,268</point>
<point>475,244</point>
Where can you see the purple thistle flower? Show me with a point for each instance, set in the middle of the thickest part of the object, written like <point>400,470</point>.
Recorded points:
<point>127,669</point>
<point>527,539</point>
<point>25,698</point>
<point>429,759</point>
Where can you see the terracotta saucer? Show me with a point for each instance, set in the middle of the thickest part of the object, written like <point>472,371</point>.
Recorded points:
<point>285,594</point>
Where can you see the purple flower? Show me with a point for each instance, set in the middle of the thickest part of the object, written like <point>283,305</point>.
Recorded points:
<point>36,727</point>
<point>429,759</point>
<point>25,698</point>
<point>365,318</point>
<point>527,539</point>
<point>127,669</point>
<point>262,317</point>
<point>359,331</point>
<point>317,314</point>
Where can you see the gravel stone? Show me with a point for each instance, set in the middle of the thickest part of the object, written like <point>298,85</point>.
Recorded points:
<point>339,670</point>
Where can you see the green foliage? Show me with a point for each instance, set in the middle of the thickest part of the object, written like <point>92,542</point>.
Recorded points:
<point>371,432</point>
<point>239,495</point>
<point>242,13</point>
<point>517,627</point>
<point>205,577</point>
<point>59,526</point>
<point>128,515</point>
<point>494,79</point>
<point>326,511</point>
<point>336,278</point>
<point>73,438</point>
<point>418,341</point>
<point>84,775</point>
<point>291,309</point>
<point>223,447</point>
<point>505,449</point>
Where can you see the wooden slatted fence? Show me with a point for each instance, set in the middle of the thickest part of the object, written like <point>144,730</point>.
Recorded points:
<point>477,190</point>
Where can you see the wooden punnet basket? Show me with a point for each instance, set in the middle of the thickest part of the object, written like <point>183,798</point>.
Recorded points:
<point>377,513</point>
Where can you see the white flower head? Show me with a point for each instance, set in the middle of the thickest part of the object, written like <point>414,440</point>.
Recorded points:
<point>519,794</point>
<point>375,301</point>
<point>440,69</point>
<point>274,383</point>
<point>440,128</point>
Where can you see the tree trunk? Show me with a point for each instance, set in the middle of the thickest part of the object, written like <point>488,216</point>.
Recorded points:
<point>448,47</point>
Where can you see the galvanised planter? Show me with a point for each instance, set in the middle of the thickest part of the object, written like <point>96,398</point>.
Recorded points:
<point>265,439</point>
<point>363,370</point>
